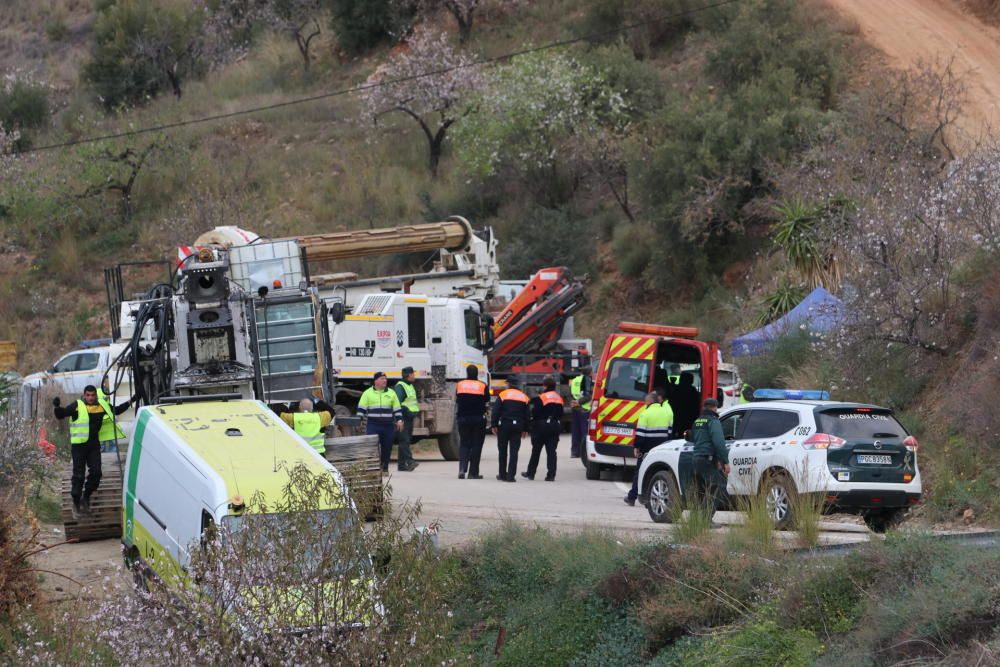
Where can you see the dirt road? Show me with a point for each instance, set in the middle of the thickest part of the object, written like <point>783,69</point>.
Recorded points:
<point>911,31</point>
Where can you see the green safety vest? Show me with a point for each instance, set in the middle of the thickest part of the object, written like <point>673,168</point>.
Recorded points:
<point>655,422</point>
<point>309,426</point>
<point>744,399</point>
<point>79,428</point>
<point>674,379</point>
<point>379,406</point>
<point>576,391</point>
<point>410,402</point>
<point>109,427</point>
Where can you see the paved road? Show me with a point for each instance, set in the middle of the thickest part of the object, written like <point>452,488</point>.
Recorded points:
<point>467,507</point>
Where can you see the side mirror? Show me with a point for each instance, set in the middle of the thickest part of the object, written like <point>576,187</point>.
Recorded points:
<point>338,312</point>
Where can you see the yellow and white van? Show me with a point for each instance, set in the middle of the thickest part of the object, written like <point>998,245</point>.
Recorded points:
<point>186,464</point>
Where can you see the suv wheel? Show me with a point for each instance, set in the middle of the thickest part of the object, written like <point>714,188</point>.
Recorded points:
<point>779,493</point>
<point>593,469</point>
<point>664,497</point>
<point>879,521</point>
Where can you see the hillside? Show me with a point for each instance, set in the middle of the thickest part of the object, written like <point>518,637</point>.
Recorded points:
<point>702,167</point>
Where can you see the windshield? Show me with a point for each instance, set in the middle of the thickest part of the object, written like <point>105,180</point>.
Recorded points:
<point>266,528</point>
<point>855,424</point>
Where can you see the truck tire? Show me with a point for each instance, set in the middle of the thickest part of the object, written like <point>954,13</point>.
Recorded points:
<point>879,521</point>
<point>663,497</point>
<point>448,443</point>
<point>593,469</point>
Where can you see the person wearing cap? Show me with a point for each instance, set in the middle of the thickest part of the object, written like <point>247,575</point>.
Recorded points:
<point>509,422</point>
<point>407,395</point>
<point>383,415</point>
<point>472,400</point>
<point>711,457</point>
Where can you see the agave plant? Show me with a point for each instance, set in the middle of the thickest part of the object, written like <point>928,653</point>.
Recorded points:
<point>785,297</point>
<point>797,235</point>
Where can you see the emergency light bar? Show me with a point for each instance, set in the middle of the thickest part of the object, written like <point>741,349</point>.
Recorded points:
<point>791,395</point>
<point>658,330</point>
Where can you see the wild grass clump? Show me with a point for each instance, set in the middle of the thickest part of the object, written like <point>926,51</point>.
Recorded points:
<point>759,642</point>
<point>755,533</point>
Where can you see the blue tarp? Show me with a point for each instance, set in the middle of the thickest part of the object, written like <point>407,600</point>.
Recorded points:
<point>819,312</point>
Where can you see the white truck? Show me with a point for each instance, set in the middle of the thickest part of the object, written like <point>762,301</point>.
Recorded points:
<point>437,336</point>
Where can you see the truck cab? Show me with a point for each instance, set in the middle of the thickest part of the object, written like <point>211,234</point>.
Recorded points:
<point>637,359</point>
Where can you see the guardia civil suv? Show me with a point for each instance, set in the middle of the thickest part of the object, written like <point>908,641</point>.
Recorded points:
<point>858,457</point>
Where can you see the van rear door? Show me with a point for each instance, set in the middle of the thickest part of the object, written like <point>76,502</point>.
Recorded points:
<point>625,379</point>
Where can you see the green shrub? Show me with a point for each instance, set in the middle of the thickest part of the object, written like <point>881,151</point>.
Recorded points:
<point>140,48</point>
<point>790,351</point>
<point>756,643</point>
<point>24,106</point>
<point>363,24</point>
<point>829,598</point>
<point>651,32</point>
<point>547,237</point>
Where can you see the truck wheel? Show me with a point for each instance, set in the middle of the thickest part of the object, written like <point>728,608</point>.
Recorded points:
<point>664,497</point>
<point>879,521</point>
<point>779,492</point>
<point>593,469</point>
<point>448,444</point>
<point>139,576</point>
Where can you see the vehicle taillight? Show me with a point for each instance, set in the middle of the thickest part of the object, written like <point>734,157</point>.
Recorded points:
<point>730,392</point>
<point>911,443</point>
<point>823,441</point>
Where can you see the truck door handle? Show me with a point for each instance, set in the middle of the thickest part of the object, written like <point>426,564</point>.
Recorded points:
<point>766,449</point>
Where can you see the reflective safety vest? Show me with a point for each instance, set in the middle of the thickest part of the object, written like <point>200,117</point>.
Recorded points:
<point>576,390</point>
<point>550,397</point>
<point>109,427</point>
<point>655,422</point>
<point>743,393</point>
<point>379,406</point>
<point>513,395</point>
<point>474,387</point>
<point>410,402</point>
<point>309,426</point>
<point>79,428</point>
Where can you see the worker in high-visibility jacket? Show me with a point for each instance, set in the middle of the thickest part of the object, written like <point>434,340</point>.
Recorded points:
<point>546,424</point>
<point>110,433</point>
<point>410,407</point>
<point>654,426</point>
<point>581,388</point>
<point>383,415</point>
<point>509,421</point>
<point>309,421</point>
<point>86,419</point>
<point>472,400</point>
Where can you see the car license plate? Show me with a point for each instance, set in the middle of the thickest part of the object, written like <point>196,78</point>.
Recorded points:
<point>617,430</point>
<point>875,459</point>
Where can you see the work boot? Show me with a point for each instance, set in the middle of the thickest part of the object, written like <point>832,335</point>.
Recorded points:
<point>475,476</point>
<point>502,478</point>
<point>413,466</point>
<point>527,476</point>
<point>461,475</point>
<point>550,479</point>
<point>629,501</point>
<point>75,510</point>
<point>85,505</point>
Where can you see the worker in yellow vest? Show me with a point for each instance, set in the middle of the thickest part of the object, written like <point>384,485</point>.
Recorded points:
<point>581,388</point>
<point>309,421</point>
<point>111,432</point>
<point>86,421</point>
<point>410,407</point>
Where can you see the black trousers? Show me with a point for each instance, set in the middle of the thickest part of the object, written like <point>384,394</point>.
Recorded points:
<point>509,440</point>
<point>547,438</point>
<point>709,484</point>
<point>471,436</point>
<point>405,438</point>
<point>86,456</point>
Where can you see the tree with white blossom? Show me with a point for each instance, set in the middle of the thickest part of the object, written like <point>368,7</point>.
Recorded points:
<point>429,81</point>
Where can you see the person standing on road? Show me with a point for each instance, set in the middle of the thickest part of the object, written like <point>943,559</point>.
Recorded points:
<point>654,427</point>
<point>546,423</point>
<point>383,415</point>
<point>86,423</point>
<point>509,421</point>
<point>711,457</point>
<point>110,433</point>
<point>471,402</point>
<point>309,421</point>
<point>407,395</point>
<point>581,388</point>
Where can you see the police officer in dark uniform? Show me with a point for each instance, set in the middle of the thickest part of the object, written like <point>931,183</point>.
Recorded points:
<point>509,422</point>
<point>472,398</point>
<point>546,424</point>
<point>711,457</point>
